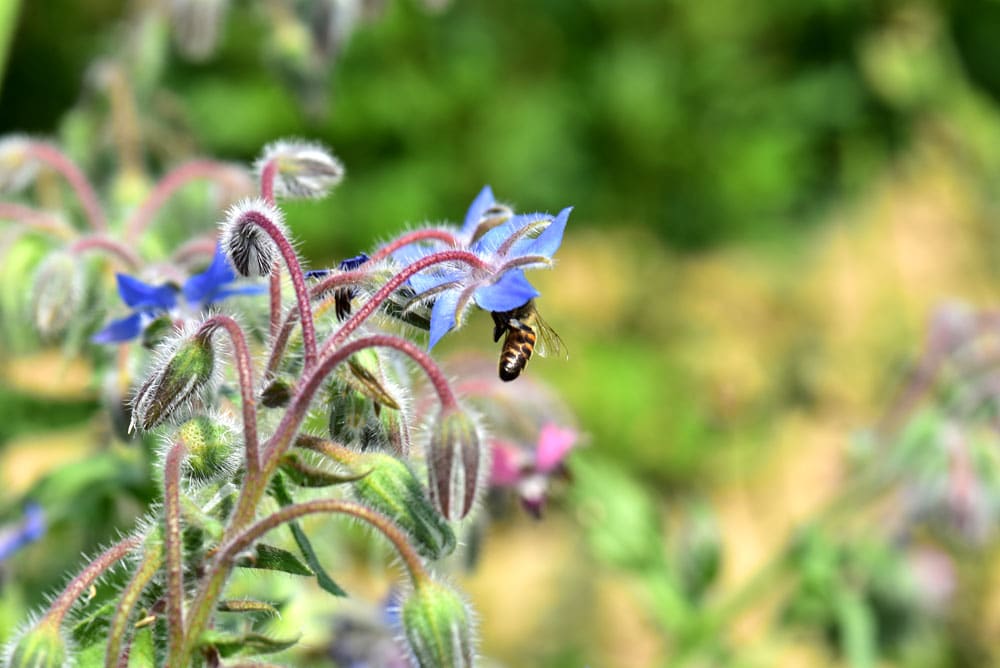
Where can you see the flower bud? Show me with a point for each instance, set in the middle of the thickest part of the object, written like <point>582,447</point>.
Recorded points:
<point>278,393</point>
<point>56,293</point>
<point>303,170</point>
<point>210,444</point>
<point>196,25</point>
<point>453,463</point>
<point>438,627</point>
<point>17,166</point>
<point>40,647</point>
<point>249,248</point>
<point>178,377</point>
<point>392,489</point>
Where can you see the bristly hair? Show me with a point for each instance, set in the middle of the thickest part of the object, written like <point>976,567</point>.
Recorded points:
<point>250,250</point>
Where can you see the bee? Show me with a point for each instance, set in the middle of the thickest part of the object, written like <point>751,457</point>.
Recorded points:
<point>525,332</point>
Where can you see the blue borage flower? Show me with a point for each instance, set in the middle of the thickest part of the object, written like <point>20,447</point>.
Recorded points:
<point>150,301</point>
<point>28,530</point>
<point>507,243</point>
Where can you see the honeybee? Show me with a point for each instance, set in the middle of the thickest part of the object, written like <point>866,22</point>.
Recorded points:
<point>526,332</point>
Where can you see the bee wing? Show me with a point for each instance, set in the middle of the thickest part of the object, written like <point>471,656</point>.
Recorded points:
<point>548,344</point>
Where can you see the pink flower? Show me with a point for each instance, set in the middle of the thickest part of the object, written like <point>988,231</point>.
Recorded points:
<point>529,471</point>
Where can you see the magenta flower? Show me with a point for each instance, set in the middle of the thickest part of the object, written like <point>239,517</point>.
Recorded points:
<point>529,471</point>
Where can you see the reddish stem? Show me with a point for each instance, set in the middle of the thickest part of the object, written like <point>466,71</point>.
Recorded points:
<point>275,285</point>
<point>194,248</point>
<point>369,307</point>
<point>244,368</point>
<point>414,237</point>
<point>109,246</point>
<point>59,161</point>
<point>36,219</point>
<point>81,583</point>
<point>267,176</point>
<point>173,181</point>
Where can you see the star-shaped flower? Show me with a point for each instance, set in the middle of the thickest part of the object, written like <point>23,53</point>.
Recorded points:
<point>151,301</point>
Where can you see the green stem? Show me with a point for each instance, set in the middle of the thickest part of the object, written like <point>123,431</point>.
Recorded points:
<point>175,556</point>
<point>9,11</point>
<point>148,568</point>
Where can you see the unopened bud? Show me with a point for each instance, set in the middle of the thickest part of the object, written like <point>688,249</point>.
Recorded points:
<point>392,489</point>
<point>277,393</point>
<point>17,166</point>
<point>249,248</point>
<point>187,367</point>
<point>438,627</point>
<point>453,463</point>
<point>41,647</point>
<point>210,444</point>
<point>303,170</point>
<point>56,294</point>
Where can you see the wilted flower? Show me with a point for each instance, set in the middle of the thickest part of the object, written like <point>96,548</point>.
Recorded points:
<point>505,243</point>
<point>28,530</point>
<point>529,471</point>
<point>151,301</point>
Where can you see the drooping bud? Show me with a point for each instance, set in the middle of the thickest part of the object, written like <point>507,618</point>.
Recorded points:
<point>185,368</point>
<point>41,647</point>
<point>278,393</point>
<point>392,489</point>
<point>438,626</point>
<point>56,293</point>
<point>17,166</point>
<point>454,463</point>
<point>211,448</point>
<point>249,248</point>
<point>302,170</point>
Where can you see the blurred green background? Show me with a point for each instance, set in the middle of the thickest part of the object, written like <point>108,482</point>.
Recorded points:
<point>770,199</point>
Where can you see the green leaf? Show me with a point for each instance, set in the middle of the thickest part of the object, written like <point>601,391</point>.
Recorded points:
<point>92,627</point>
<point>280,493</point>
<point>304,474</point>
<point>271,558</point>
<point>143,650</point>
<point>257,610</point>
<point>243,644</point>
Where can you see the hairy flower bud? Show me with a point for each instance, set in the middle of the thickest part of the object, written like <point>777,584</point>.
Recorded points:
<point>453,463</point>
<point>392,489</point>
<point>181,373</point>
<point>438,627</point>
<point>41,647</point>
<point>210,444</point>
<point>249,248</point>
<point>56,294</point>
<point>303,170</point>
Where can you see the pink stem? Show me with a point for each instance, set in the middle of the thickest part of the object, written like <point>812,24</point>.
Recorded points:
<point>59,161</point>
<point>267,176</point>
<point>78,585</point>
<point>386,291</point>
<point>171,183</point>
<point>110,246</point>
<point>413,237</point>
<point>244,368</point>
<point>275,284</point>
<point>194,248</point>
<point>35,219</point>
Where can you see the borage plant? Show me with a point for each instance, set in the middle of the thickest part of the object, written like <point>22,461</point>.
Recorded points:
<point>329,411</point>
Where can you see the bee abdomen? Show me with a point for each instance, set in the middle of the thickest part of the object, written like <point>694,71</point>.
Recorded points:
<point>517,350</point>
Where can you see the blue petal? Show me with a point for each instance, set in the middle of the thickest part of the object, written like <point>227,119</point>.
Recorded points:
<point>124,329</point>
<point>510,292</point>
<point>141,295</point>
<point>443,315</point>
<point>484,200</point>
<point>492,240</point>
<point>425,281</point>
<point>202,288</point>
<point>547,243</point>
<point>317,273</point>
<point>352,263</point>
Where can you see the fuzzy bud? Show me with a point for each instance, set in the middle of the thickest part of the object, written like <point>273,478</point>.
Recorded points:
<point>17,166</point>
<point>392,489</point>
<point>41,647</point>
<point>250,249</point>
<point>302,170</point>
<point>453,463</point>
<point>210,445</point>
<point>438,627</point>
<point>179,376</point>
<point>56,294</point>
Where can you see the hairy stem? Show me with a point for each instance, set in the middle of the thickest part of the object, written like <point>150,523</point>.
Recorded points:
<point>118,627</point>
<point>36,219</point>
<point>433,234</point>
<point>60,162</point>
<point>78,585</point>
<point>275,290</point>
<point>248,399</point>
<point>109,246</point>
<point>175,555</point>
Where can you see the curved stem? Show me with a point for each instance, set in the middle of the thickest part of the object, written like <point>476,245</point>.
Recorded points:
<point>415,236</point>
<point>36,219</point>
<point>118,626</point>
<point>173,181</point>
<point>298,280</point>
<point>275,287</point>
<point>267,176</point>
<point>369,307</point>
<point>109,246</point>
<point>175,555</point>
<point>59,161</point>
<point>194,248</point>
<point>244,367</point>
<point>78,585</point>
